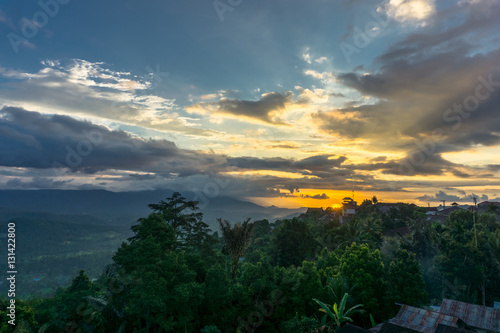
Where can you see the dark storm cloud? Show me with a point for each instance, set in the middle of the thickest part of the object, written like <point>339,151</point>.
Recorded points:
<point>319,165</point>
<point>267,109</point>
<point>38,143</point>
<point>480,20</point>
<point>316,196</point>
<point>32,140</point>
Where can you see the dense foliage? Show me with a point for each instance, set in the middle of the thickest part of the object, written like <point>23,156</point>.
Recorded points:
<point>175,275</point>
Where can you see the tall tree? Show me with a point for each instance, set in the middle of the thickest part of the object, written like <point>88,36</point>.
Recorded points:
<point>236,240</point>
<point>184,218</point>
<point>363,267</point>
<point>405,283</point>
<point>159,289</point>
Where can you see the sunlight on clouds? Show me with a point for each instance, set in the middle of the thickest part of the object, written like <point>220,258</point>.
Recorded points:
<point>320,75</point>
<point>90,90</point>
<point>476,156</point>
<point>303,198</point>
<point>410,10</point>
<point>321,60</point>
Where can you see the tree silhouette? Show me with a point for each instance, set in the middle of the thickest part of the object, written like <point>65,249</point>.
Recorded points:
<point>236,240</point>
<point>184,217</point>
<point>493,209</point>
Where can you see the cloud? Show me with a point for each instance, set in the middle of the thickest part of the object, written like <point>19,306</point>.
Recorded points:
<point>79,87</point>
<point>321,60</point>
<point>319,75</point>
<point>306,56</point>
<point>36,183</point>
<point>467,199</point>
<point>71,153</point>
<point>411,165</point>
<point>32,140</point>
<point>409,11</point>
<point>268,109</point>
<point>322,166</point>
<point>441,195</point>
<point>440,79</point>
<point>316,196</point>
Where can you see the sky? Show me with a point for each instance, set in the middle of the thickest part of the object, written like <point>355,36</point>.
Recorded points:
<point>291,103</point>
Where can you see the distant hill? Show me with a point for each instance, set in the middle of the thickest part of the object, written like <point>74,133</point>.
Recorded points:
<point>122,208</point>
<point>50,252</point>
<point>60,232</point>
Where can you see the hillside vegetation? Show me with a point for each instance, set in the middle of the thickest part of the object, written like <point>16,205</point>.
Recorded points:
<point>174,274</point>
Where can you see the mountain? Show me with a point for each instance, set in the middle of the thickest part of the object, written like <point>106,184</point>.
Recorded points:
<point>123,208</point>
<point>59,232</point>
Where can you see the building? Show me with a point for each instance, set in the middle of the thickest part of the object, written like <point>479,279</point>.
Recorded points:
<point>482,207</point>
<point>349,207</point>
<point>480,318</point>
<point>385,207</point>
<point>442,215</point>
<point>451,317</point>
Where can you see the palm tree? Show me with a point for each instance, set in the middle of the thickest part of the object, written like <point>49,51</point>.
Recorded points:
<point>338,287</point>
<point>356,231</point>
<point>236,240</point>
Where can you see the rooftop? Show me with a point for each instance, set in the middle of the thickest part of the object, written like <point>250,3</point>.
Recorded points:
<point>479,316</point>
<point>421,320</point>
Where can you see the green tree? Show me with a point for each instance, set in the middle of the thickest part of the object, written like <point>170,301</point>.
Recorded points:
<point>493,209</point>
<point>405,283</point>
<point>367,230</point>
<point>293,242</point>
<point>363,267</point>
<point>159,290</point>
<point>421,238</point>
<point>217,307</point>
<point>308,286</point>
<point>70,308</point>
<point>184,218</point>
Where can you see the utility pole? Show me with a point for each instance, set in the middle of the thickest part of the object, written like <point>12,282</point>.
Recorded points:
<point>474,198</point>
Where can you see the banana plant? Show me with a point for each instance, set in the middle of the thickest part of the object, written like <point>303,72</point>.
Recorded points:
<point>337,313</point>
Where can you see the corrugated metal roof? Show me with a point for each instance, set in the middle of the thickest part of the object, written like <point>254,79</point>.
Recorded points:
<point>422,320</point>
<point>479,316</point>
<point>449,329</point>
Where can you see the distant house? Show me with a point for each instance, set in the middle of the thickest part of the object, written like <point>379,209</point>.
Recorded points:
<point>385,207</point>
<point>431,211</point>
<point>321,214</point>
<point>442,215</point>
<point>483,206</point>
<point>486,203</point>
<point>349,207</point>
<point>480,318</point>
<point>422,320</point>
<point>315,211</point>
